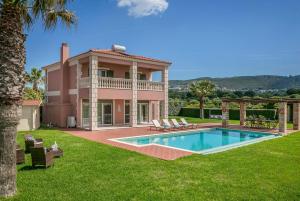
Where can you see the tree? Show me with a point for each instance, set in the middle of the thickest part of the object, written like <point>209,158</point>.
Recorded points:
<point>34,77</point>
<point>30,94</point>
<point>293,91</point>
<point>15,17</point>
<point>202,89</point>
<point>250,93</point>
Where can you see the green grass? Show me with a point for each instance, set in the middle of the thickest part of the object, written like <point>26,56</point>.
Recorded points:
<point>91,171</point>
<point>198,120</point>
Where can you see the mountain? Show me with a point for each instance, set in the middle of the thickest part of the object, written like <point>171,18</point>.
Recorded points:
<point>259,82</point>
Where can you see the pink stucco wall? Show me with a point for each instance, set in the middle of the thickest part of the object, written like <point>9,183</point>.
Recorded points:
<point>53,80</point>
<point>114,94</point>
<point>150,95</point>
<point>53,99</point>
<point>73,77</point>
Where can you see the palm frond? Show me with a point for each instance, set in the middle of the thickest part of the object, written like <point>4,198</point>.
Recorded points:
<point>52,11</point>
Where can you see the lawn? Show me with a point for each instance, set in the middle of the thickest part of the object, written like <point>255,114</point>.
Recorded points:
<point>91,171</point>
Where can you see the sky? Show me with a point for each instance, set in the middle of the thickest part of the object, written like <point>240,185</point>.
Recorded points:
<point>202,38</point>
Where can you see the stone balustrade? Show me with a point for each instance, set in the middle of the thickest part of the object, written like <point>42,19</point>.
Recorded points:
<point>120,83</point>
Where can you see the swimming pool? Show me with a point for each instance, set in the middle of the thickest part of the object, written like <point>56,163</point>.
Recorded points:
<point>202,141</point>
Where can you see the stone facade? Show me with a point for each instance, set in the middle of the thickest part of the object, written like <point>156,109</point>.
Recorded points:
<point>165,78</point>
<point>296,116</point>
<point>225,115</point>
<point>133,76</point>
<point>282,117</point>
<point>78,105</point>
<point>243,114</point>
<point>93,66</point>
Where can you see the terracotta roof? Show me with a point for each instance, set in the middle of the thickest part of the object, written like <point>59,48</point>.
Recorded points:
<point>123,54</point>
<point>31,102</point>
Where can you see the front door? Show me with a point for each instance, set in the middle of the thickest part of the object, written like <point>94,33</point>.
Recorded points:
<point>127,113</point>
<point>104,114</point>
<point>85,115</point>
<point>107,113</point>
<point>143,113</point>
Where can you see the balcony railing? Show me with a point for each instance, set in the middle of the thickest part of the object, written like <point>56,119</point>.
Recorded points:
<point>119,83</point>
<point>149,85</point>
<point>115,83</point>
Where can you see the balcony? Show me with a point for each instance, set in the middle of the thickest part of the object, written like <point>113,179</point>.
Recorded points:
<point>119,83</point>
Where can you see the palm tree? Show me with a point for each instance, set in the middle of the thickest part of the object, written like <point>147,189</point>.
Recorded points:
<point>202,89</point>
<point>15,16</point>
<point>34,77</point>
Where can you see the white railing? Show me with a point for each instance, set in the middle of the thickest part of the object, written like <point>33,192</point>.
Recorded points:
<point>116,83</point>
<point>120,83</point>
<point>84,82</point>
<point>149,85</point>
<point>85,122</point>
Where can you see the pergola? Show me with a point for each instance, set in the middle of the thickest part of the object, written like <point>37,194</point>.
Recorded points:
<point>282,116</point>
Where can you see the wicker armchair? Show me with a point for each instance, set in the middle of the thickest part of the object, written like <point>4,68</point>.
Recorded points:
<point>32,142</point>
<point>41,156</point>
<point>20,155</point>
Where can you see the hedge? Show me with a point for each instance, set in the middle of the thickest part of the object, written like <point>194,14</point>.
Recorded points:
<point>234,114</point>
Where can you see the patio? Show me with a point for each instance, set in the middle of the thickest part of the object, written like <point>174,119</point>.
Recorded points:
<point>156,151</point>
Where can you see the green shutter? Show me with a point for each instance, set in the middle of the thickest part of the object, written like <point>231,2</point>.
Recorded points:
<point>143,77</point>
<point>110,73</point>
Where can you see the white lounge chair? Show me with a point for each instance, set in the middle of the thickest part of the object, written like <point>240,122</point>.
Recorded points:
<point>177,125</point>
<point>157,125</point>
<point>167,123</point>
<point>185,123</point>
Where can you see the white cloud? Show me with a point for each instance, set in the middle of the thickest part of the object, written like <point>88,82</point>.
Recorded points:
<point>142,8</point>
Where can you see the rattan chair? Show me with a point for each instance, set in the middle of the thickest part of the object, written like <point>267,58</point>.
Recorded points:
<point>32,142</point>
<point>41,156</point>
<point>20,155</point>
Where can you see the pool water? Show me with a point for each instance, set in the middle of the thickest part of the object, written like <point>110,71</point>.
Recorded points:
<point>200,140</point>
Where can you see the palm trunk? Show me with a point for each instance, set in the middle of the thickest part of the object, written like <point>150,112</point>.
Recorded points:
<point>201,107</point>
<point>12,61</point>
<point>34,86</point>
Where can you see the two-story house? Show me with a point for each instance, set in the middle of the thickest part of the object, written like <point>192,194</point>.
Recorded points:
<point>105,88</point>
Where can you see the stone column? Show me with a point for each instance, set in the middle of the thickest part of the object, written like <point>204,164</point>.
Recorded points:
<point>165,80</point>
<point>133,106</point>
<point>78,102</point>
<point>282,117</point>
<point>296,116</point>
<point>225,115</point>
<point>93,67</point>
<point>243,107</point>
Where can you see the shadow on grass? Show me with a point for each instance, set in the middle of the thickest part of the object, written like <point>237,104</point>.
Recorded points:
<point>30,168</point>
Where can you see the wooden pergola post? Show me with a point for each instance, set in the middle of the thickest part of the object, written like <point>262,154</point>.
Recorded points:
<point>296,116</point>
<point>242,113</point>
<point>225,115</point>
<point>282,117</point>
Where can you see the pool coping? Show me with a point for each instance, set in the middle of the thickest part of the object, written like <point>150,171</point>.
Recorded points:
<point>203,152</point>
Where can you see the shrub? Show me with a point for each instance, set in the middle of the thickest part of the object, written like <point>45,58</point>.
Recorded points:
<point>234,114</point>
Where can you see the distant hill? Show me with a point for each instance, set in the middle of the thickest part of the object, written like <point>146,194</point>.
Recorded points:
<point>260,82</point>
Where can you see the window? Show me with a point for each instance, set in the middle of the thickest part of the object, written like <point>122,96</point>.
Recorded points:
<point>141,76</point>
<point>127,75</point>
<point>105,73</point>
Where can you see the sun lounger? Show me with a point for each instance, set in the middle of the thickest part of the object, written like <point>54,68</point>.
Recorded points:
<point>184,122</point>
<point>167,123</point>
<point>177,125</point>
<point>157,125</point>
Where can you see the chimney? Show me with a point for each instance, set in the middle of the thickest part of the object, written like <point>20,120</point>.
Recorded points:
<point>64,73</point>
<point>64,53</point>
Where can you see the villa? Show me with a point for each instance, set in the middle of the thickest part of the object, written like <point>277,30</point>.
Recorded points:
<point>104,88</point>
